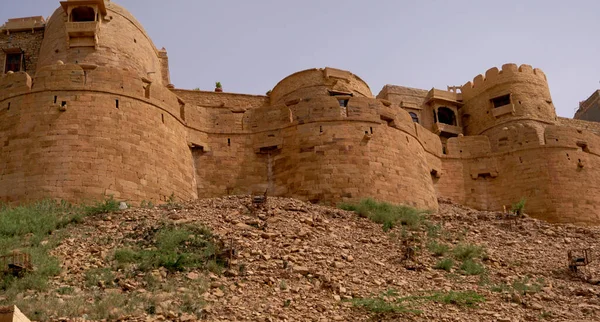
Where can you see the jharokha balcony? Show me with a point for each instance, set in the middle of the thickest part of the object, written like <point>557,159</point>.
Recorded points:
<point>82,29</point>
<point>441,128</point>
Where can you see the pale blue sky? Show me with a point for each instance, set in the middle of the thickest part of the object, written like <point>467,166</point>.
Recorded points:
<point>250,45</point>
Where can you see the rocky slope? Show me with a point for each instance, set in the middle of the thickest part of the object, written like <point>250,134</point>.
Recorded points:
<point>294,261</point>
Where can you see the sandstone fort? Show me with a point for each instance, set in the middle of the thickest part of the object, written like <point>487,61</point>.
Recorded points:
<point>87,109</point>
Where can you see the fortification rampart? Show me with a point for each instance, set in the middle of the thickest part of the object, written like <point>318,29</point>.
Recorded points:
<point>507,95</point>
<point>94,114</point>
<point>75,133</point>
<point>478,175</point>
<point>315,149</point>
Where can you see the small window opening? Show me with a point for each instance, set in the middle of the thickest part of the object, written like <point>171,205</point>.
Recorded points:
<point>162,116</point>
<point>371,129</point>
<point>366,132</point>
<point>63,103</point>
<point>83,14</point>
<point>14,62</point>
<point>520,159</point>
<point>446,116</point>
<point>55,98</point>
<point>414,117</point>
<point>320,128</point>
<point>501,100</point>
<point>117,103</point>
<point>343,103</point>
<point>182,110</point>
<point>8,108</point>
<point>228,142</point>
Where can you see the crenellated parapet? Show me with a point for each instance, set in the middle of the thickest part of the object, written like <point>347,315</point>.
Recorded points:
<point>506,95</point>
<point>509,73</point>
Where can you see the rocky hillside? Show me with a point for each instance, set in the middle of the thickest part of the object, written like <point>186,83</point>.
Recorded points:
<point>292,261</point>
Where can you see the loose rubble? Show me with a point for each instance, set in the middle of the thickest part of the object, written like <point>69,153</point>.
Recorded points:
<point>295,261</point>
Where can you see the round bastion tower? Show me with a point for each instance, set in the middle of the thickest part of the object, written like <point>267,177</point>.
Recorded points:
<point>343,143</point>
<point>510,95</point>
<point>99,32</point>
<point>96,118</point>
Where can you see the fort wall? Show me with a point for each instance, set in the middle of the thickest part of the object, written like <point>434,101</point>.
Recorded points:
<point>477,175</point>
<point>79,134</point>
<point>94,114</point>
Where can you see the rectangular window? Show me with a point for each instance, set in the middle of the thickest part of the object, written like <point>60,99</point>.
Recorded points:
<point>14,62</point>
<point>501,100</point>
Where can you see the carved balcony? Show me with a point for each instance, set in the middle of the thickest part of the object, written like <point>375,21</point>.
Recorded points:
<point>83,34</point>
<point>82,29</point>
<point>442,128</point>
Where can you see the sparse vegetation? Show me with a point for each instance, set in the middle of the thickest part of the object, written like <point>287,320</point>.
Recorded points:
<point>34,229</point>
<point>101,277</point>
<point>175,248</point>
<point>466,298</point>
<point>384,303</point>
<point>437,249</point>
<point>109,204</point>
<point>218,85</point>
<point>520,286</point>
<point>390,302</point>
<point>445,264</point>
<point>526,286</point>
<point>146,204</point>
<point>387,214</point>
<point>463,252</point>
<point>470,267</point>
<point>519,207</point>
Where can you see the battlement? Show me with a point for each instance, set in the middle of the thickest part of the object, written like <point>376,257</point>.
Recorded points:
<point>83,118</point>
<point>494,76</point>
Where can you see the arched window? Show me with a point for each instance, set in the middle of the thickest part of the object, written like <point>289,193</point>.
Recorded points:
<point>82,14</point>
<point>446,116</point>
<point>414,117</point>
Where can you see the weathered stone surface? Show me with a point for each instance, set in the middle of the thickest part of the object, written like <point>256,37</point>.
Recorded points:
<point>91,112</point>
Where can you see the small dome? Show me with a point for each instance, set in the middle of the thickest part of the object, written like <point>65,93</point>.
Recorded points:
<point>319,82</point>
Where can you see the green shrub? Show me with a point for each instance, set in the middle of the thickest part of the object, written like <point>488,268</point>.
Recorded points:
<point>524,286</point>
<point>464,252</point>
<point>175,248</point>
<point>470,267</point>
<point>433,230</point>
<point>467,298</point>
<point>437,249</point>
<point>519,207</point>
<point>381,306</point>
<point>445,264</point>
<point>109,204</point>
<point>97,276</point>
<point>31,229</point>
<point>387,214</point>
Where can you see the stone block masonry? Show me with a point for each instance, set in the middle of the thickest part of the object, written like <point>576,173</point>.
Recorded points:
<point>91,112</point>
